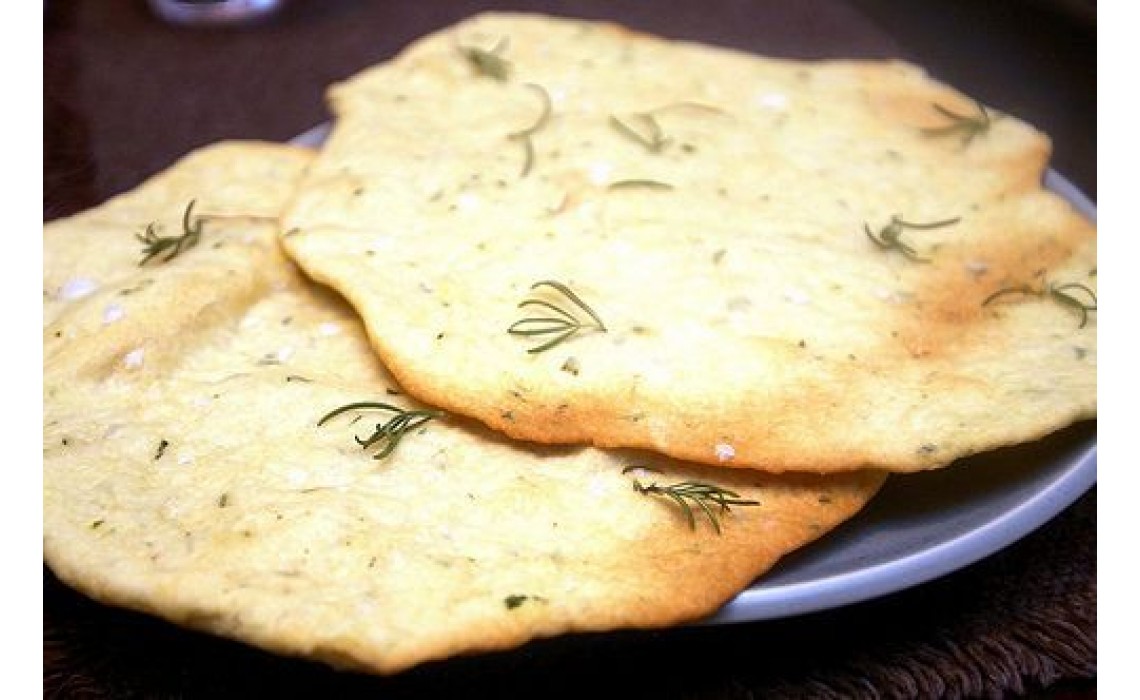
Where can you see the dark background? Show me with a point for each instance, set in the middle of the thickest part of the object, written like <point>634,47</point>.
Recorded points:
<point>150,92</point>
<point>125,95</point>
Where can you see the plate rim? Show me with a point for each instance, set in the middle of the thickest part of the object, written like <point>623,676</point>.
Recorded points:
<point>941,557</point>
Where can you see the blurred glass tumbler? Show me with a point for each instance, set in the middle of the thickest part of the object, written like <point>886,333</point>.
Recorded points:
<point>213,12</point>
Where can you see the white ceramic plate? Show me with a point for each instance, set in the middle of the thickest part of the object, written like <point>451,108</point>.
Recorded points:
<point>925,525</point>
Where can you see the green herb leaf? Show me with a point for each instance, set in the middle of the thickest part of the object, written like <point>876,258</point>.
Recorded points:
<point>964,125</point>
<point>488,62</point>
<point>523,136</point>
<point>687,106</point>
<point>560,323</point>
<point>386,435</point>
<point>1067,295</point>
<point>687,494</point>
<point>890,236</point>
<point>154,244</point>
<point>643,128</point>
<point>639,183</point>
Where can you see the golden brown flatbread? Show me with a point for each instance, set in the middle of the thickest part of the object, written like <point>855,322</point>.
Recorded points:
<point>185,473</point>
<point>812,266</point>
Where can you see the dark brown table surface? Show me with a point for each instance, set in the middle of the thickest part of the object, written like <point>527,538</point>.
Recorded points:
<point>125,95</point>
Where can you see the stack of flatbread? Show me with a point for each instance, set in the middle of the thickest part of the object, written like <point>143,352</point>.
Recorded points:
<point>563,328</point>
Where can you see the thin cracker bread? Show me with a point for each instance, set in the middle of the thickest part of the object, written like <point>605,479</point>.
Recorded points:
<point>247,178</point>
<point>731,245</point>
<point>191,480</point>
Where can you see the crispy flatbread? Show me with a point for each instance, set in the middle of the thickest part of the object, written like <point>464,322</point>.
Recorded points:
<point>185,474</point>
<point>246,178</point>
<point>793,261</point>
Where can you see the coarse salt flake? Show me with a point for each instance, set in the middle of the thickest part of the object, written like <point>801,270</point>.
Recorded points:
<point>77,288</point>
<point>557,95</point>
<point>977,267</point>
<point>380,243</point>
<point>327,329</point>
<point>598,486</point>
<point>796,296</point>
<point>469,201</point>
<point>892,296</point>
<point>133,359</point>
<point>772,100</point>
<point>113,313</point>
<point>725,452</point>
<point>600,172</point>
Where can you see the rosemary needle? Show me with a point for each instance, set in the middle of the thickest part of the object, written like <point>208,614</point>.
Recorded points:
<point>968,127</point>
<point>644,128</point>
<point>154,244</point>
<point>389,434</point>
<point>488,62</point>
<point>544,114</point>
<point>523,136</point>
<point>639,183</point>
<point>649,133</point>
<point>1060,293</point>
<point>701,494</point>
<point>890,236</point>
<point>561,323</point>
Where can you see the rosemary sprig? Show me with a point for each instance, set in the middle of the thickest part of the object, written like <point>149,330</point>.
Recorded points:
<point>154,244</point>
<point>524,136</point>
<point>647,132</point>
<point>561,324</point>
<point>967,126</point>
<point>890,236</point>
<point>1059,293</point>
<point>386,435</point>
<point>488,62</point>
<point>702,495</point>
